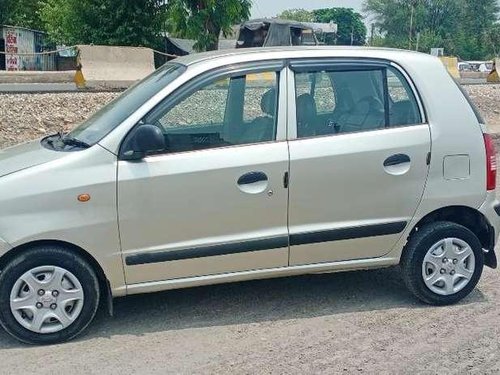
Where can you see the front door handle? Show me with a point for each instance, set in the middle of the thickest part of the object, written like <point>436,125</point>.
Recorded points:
<point>396,159</point>
<point>252,178</point>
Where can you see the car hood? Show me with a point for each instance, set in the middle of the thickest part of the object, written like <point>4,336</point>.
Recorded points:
<point>26,155</point>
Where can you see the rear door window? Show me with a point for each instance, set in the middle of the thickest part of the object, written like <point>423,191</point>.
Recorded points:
<point>353,100</point>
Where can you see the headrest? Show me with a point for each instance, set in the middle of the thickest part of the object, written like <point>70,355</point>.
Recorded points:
<point>268,102</point>
<point>306,107</point>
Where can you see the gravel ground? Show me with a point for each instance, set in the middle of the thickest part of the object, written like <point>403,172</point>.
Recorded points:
<point>356,322</point>
<point>487,99</point>
<point>29,116</point>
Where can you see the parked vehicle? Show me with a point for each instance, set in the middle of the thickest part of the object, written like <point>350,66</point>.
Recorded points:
<point>231,166</point>
<point>486,67</point>
<point>464,67</point>
<point>272,32</point>
<point>481,66</point>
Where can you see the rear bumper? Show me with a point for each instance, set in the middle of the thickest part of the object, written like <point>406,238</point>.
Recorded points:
<point>491,211</point>
<point>497,209</point>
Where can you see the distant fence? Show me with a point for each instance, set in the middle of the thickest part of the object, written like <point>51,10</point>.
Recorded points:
<point>37,61</point>
<point>30,62</point>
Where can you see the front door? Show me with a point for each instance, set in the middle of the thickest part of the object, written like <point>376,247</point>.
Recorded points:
<point>358,163</point>
<point>213,202</point>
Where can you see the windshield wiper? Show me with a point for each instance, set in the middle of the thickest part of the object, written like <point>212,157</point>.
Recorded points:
<point>72,141</point>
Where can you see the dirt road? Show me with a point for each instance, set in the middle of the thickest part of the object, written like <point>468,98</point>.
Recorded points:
<point>358,322</point>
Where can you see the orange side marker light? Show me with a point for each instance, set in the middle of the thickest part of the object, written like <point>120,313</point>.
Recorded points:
<point>84,198</point>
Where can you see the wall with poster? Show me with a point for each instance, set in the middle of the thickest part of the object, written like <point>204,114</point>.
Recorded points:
<point>21,44</point>
<point>11,49</point>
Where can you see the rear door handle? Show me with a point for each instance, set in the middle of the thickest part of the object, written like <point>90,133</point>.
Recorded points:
<point>396,159</point>
<point>252,178</point>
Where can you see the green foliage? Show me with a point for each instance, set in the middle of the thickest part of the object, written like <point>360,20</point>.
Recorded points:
<point>350,24</point>
<point>127,22</point>
<point>25,13</point>
<point>5,11</point>
<point>204,20</point>
<point>106,22</point>
<point>493,39</point>
<point>299,15</point>
<point>465,28</point>
<point>479,18</point>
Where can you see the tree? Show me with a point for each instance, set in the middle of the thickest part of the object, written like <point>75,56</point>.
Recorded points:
<point>25,13</point>
<point>463,27</point>
<point>5,10</point>
<point>204,20</point>
<point>493,39</point>
<point>351,29</point>
<point>299,15</point>
<point>106,22</point>
<point>479,18</point>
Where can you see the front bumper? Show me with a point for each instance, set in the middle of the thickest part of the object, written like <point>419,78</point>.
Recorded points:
<point>4,247</point>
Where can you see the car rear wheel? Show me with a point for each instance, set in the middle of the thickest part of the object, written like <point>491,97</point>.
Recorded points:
<point>47,295</point>
<point>442,263</point>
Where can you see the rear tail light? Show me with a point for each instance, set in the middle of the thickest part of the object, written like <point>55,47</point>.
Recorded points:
<point>491,163</point>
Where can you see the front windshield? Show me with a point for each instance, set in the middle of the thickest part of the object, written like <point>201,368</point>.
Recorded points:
<point>110,116</point>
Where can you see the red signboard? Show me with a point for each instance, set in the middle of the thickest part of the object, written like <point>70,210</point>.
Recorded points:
<point>11,48</point>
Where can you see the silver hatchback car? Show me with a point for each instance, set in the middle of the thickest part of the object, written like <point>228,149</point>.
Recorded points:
<point>231,166</point>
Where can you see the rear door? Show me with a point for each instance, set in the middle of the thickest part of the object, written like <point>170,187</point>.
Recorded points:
<point>358,160</point>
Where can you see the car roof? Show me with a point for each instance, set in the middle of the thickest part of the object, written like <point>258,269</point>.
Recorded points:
<point>268,53</point>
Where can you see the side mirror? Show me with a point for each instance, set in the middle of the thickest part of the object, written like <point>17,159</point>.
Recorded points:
<point>143,140</point>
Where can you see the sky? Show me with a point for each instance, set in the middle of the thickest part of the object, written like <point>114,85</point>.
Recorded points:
<point>270,8</point>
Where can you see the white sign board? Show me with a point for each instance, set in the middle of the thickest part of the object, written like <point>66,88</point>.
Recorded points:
<point>438,52</point>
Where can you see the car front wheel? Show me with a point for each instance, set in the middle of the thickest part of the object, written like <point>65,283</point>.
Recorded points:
<point>47,295</point>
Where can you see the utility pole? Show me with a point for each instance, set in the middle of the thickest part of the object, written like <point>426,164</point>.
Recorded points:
<point>372,34</point>
<point>418,41</point>
<point>352,35</point>
<point>411,25</point>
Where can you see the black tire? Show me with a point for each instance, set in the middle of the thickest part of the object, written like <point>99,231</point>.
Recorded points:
<point>48,256</point>
<point>416,249</point>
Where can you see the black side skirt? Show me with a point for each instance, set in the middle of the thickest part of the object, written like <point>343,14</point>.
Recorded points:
<point>268,243</point>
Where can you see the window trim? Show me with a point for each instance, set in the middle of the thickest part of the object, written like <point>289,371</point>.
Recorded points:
<point>228,71</point>
<point>346,64</point>
<point>385,90</point>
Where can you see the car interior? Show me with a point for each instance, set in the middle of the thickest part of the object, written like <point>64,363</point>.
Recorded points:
<point>232,128</point>
<point>359,104</point>
<point>356,103</point>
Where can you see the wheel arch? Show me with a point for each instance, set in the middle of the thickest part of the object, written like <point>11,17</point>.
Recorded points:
<point>470,218</point>
<point>103,281</point>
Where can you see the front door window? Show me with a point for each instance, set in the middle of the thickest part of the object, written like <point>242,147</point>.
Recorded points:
<point>227,112</point>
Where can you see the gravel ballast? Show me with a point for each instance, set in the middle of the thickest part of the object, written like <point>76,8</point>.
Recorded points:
<point>29,116</point>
